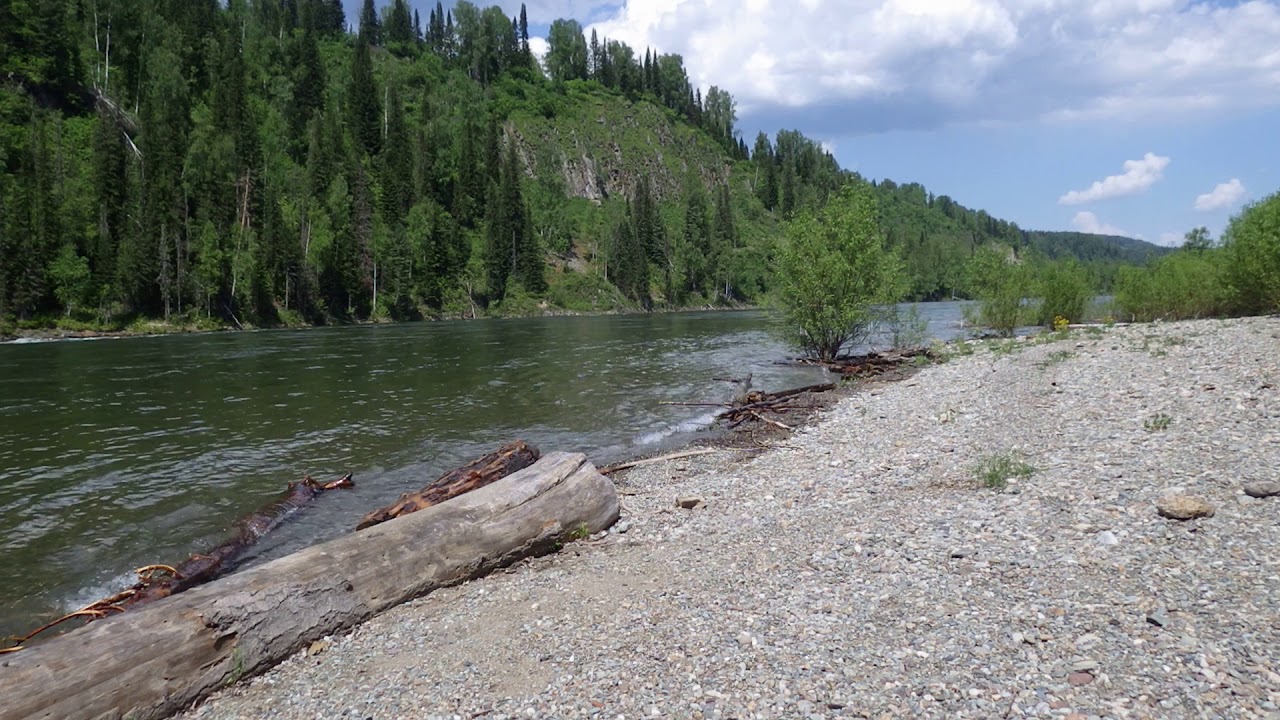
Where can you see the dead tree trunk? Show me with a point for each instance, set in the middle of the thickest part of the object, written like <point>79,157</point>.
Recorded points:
<point>482,471</point>
<point>157,661</point>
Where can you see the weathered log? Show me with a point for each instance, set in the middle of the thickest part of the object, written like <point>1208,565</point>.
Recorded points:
<point>173,652</point>
<point>482,471</point>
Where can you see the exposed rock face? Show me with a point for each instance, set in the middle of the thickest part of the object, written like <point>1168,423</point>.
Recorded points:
<point>598,157</point>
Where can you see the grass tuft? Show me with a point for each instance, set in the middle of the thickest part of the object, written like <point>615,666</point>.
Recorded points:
<point>995,471</point>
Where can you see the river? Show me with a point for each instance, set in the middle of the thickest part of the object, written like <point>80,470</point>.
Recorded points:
<point>118,453</point>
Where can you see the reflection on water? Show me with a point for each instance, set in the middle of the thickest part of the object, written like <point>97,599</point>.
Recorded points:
<point>123,452</point>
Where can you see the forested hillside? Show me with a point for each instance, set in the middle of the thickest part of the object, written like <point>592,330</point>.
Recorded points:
<point>258,162</point>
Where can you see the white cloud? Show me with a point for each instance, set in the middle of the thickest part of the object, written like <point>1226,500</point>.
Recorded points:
<point>538,46</point>
<point>1087,222</point>
<point>930,63</point>
<point>1223,196</point>
<point>1138,175</point>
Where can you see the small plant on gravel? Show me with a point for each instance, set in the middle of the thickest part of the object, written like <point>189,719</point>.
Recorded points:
<point>1157,422</point>
<point>995,471</point>
<point>1094,331</point>
<point>582,532</point>
<point>920,361</point>
<point>1006,347</point>
<point>1056,357</point>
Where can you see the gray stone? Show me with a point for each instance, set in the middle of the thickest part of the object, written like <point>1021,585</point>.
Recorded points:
<point>1262,489</point>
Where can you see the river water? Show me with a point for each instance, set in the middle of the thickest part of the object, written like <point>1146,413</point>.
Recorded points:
<point>117,453</point>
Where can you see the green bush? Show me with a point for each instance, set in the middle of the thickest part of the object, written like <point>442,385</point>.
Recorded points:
<point>833,271</point>
<point>1183,285</point>
<point>1000,282</point>
<point>1251,246</point>
<point>1064,291</point>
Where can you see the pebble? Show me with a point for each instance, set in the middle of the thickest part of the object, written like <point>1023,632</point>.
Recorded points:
<point>1183,507</point>
<point>1262,489</point>
<point>892,585</point>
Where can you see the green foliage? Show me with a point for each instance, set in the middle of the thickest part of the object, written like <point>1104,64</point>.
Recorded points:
<point>1157,423</point>
<point>995,471</point>
<point>1064,291</point>
<point>1251,245</point>
<point>834,270</point>
<point>295,173</point>
<point>1186,284</point>
<point>70,276</point>
<point>1000,281</point>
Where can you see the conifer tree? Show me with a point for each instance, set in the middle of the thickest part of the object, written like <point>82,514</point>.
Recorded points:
<point>724,242</point>
<point>498,246</point>
<point>399,24</point>
<point>524,37</point>
<point>370,26</point>
<point>308,88</point>
<point>397,164</point>
<point>364,115</point>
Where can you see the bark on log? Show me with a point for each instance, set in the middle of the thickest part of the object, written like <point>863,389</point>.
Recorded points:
<point>478,473</point>
<point>165,656</point>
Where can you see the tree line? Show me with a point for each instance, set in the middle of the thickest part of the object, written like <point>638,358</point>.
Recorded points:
<point>257,162</point>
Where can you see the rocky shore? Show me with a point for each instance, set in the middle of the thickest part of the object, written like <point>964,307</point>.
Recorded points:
<point>999,535</point>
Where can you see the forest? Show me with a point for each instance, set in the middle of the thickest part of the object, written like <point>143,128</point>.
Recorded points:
<point>267,162</point>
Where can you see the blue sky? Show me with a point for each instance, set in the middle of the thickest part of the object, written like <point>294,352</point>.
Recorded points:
<point>1141,117</point>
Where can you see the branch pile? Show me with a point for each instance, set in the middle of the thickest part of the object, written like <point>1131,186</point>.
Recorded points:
<point>751,405</point>
<point>871,364</point>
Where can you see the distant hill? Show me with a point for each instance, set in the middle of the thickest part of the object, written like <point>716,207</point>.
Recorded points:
<point>258,164</point>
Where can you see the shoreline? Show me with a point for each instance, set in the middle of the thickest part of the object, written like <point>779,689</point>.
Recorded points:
<point>858,568</point>
<point>159,328</point>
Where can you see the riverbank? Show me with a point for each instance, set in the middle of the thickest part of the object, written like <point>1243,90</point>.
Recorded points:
<point>860,568</point>
<point>70,330</point>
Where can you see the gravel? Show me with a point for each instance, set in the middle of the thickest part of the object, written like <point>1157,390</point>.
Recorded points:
<point>860,568</point>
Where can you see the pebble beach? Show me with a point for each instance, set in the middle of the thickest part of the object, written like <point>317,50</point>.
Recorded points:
<point>1087,527</point>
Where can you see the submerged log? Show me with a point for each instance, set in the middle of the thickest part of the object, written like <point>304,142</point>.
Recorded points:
<point>201,567</point>
<point>478,473</point>
<point>171,653</point>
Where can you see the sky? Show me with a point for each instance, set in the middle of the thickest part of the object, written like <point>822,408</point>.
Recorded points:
<point>1143,118</point>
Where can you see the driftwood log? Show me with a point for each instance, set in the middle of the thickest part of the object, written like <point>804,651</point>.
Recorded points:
<point>478,473</point>
<point>176,651</point>
<point>200,568</point>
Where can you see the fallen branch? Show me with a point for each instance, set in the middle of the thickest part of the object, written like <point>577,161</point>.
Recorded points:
<point>775,423</point>
<point>482,471</point>
<point>662,458</point>
<point>695,404</point>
